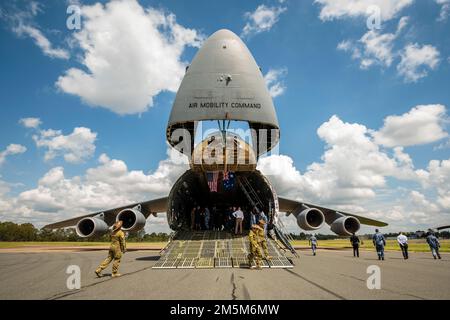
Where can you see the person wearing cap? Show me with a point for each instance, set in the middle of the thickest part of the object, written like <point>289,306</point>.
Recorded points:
<point>262,238</point>
<point>117,248</point>
<point>255,250</point>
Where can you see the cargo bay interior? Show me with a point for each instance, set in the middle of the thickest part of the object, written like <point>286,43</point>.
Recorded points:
<point>249,189</point>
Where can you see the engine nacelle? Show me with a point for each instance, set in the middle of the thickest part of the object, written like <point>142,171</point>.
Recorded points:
<point>91,226</point>
<point>133,219</point>
<point>310,219</point>
<point>345,226</point>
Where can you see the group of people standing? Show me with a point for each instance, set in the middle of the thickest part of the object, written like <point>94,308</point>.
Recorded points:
<point>232,219</point>
<point>202,218</point>
<point>240,216</point>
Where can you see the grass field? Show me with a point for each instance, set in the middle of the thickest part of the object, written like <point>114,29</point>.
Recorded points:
<point>418,245</point>
<point>7,245</point>
<point>414,245</point>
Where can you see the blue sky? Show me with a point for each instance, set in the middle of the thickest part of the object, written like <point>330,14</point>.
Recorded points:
<point>324,61</point>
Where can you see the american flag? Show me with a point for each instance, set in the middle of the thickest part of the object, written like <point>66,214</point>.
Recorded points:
<point>213,177</point>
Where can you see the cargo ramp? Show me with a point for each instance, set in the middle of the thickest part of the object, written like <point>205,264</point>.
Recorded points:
<point>215,249</point>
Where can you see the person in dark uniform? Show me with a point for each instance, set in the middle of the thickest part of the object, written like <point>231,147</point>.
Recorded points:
<point>198,218</point>
<point>354,240</point>
<point>217,218</point>
<point>193,217</point>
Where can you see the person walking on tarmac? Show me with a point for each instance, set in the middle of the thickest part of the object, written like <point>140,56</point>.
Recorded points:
<point>434,244</point>
<point>313,244</point>
<point>354,240</point>
<point>379,242</point>
<point>403,243</point>
<point>255,250</point>
<point>117,248</point>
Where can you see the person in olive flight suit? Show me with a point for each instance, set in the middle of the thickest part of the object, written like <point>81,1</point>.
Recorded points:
<point>262,239</point>
<point>117,248</point>
<point>255,250</point>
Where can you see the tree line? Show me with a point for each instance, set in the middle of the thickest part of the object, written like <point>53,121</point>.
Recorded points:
<point>10,231</point>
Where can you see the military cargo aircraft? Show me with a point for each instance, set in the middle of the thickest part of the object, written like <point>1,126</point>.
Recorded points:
<point>223,84</point>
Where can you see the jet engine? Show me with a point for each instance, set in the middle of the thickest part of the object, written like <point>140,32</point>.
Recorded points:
<point>345,226</point>
<point>133,219</point>
<point>91,226</point>
<point>310,219</point>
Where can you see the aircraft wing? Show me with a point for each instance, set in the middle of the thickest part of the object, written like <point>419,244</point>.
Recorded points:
<point>147,207</point>
<point>289,206</point>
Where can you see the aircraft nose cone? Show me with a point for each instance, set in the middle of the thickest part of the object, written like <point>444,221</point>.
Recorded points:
<point>223,82</point>
<point>223,34</point>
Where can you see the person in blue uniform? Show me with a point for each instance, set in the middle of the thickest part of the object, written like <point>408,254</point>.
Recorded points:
<point>379,242</point>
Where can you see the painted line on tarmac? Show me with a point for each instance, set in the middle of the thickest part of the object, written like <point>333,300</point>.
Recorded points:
<point>72,292</point>
<point>384,289</point>
<point>315,284</point>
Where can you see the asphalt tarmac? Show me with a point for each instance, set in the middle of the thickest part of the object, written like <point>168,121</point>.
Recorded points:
<point>329,275</point>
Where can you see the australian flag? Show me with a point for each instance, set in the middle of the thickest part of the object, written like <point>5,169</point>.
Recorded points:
<point>228,180</point>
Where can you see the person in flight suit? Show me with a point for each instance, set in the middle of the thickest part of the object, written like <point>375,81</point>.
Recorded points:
<point>262,239</point>
<point>379,242</point>
<point>117,248</point>
<point>255,250</point>
<point>313,244</point>
<point>434,244</point>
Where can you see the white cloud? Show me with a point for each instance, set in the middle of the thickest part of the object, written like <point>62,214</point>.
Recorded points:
<point>437,176</point>
<point>41,41</point>
<point>337,9</point>
<point>76,147</point>
<point>108,185</point>
<point>30,122</point>
<point>415,60</point>
<point>274,81</point>
<point>353,167</point>
<point>261,20</point>
<point>23,25</point>
<point>445,9</point>
<point>421,125</point>
<point>10,150</point>
<point>374,48</point>
<point>131,54</point>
